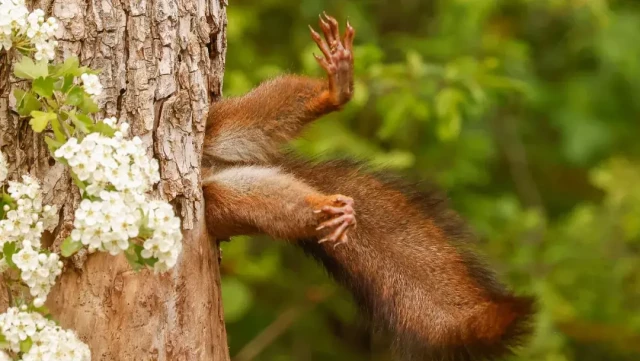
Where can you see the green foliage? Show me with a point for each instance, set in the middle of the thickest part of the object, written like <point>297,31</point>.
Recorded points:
<point>56,99</point>
<point>237,299</point>
<point>39,120</point>
<point>69,247</point>
<point>4,345</point>
<point>525,112</point>
<point>27,69</point>
<point>135,258</point>
<point>25,345</point>
<point>8,250</point>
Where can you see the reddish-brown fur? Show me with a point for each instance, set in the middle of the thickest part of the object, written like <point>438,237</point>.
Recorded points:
<point>406,262</point>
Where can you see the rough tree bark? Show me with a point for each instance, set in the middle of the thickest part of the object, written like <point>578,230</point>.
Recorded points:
<point>162,63</point>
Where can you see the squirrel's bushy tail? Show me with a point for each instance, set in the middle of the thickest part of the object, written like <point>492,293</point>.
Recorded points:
<point>490,333</point>
<point>411,272</point>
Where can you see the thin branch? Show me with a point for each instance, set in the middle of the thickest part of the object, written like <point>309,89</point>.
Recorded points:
<point>281,324</point>
<point>268,335</point>
<point>516,155</point>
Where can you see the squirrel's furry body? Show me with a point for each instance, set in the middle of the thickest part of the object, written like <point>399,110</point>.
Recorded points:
<point>411,269</point>
<point>406,262</point>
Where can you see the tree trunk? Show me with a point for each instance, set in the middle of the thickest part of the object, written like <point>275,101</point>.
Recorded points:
<point>161,65</point>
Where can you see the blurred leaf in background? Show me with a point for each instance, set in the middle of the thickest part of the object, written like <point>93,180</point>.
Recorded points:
<point>525,112</point>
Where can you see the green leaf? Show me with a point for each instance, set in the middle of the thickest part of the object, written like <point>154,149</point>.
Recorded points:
<point>85,119</point>
<point>53,144</point>
<point>18,94</point>
<point>150,261</point>
<point>7,199</point>
<point>67,83</point>
<point>70,129</point>
<point>81,122</point>
<point>449,126</point>
<point>75,96</point>
<point>104,129</point>
<point>40,120</point>
<point>4,345</point>
<point>57,131</point>
<point>27,69</point>
<point>447,101</point>
<point>448,109</point>
<point>44,86</point>
<point>133,256</point>
<point>69,247</point>
<point>8,251</point>
<point>394,119</point>
<point>26,102</point>
<point>139,260</point>
<point>78,182</point>
<point>25,345</point>
<point>69,67</point>
<point>88,105</point>
<point>43,310</point>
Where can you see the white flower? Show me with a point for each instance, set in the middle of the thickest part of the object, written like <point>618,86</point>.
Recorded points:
<point>29,219</point>
<point>45,50</point>
<point>26,259</point>
<point>18,25</point>
<point>68,150</point>
<point>49,342</point>
<point>23,226</point>
<point>108,223</point>
<point>38,271</point>
<point>117,173</point>
<point>166,242</point>
<point>91,84</point>
<point>38,301</point>
<point>100,161</point>
<point>110,121</point>
<point>124,128</point>
<point>13,19</point>
<point>50,217</point>
<point>4,356</point>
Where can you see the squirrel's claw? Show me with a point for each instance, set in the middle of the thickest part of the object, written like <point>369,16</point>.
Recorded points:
<point>338,57</point>
<point>343,219</point>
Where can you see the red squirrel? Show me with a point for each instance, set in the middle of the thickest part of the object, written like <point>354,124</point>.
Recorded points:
<point>400,252</point>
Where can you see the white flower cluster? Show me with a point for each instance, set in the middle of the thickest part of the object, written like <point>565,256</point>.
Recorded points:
<point>41,33</point>
<point>23,226</point>
<point>91,84</point>
<point>4,356</point>
<point>166,242</point>
<point>108,223</point>
<point>13,19</point>
<point>39,271</point>
<point>3,168</point>
<point>117,173</point>
<point>101,162</point>
<point>17,24</point>
<point>49,342</point>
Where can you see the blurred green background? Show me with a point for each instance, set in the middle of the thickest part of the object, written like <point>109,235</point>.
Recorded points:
<point>526,112</point>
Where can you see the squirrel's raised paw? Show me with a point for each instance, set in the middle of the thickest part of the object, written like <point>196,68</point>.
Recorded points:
<point>338,57</point>
<point>341,219</point>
